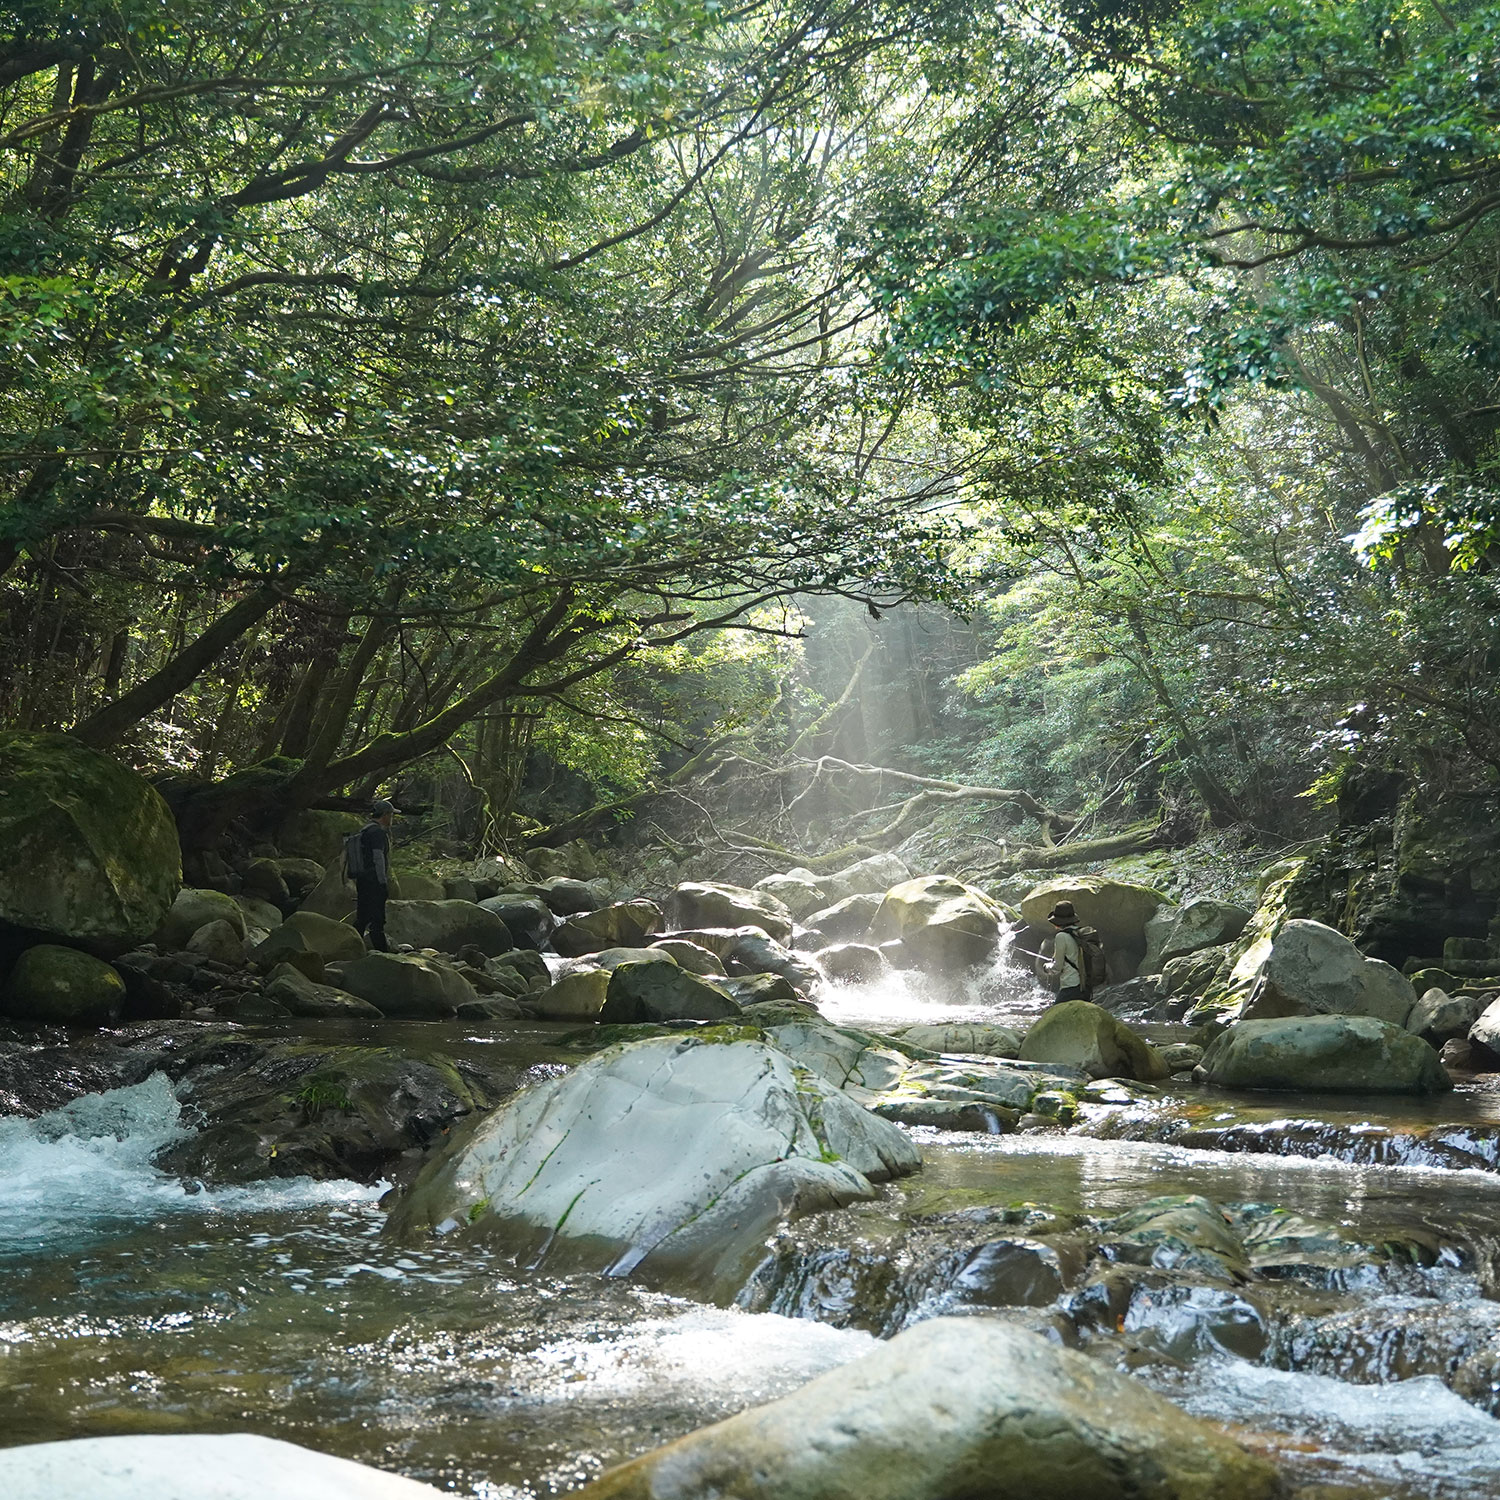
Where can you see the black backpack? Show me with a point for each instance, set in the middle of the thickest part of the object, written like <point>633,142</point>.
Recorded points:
<point>356,856</point>
<point>1095,967</point>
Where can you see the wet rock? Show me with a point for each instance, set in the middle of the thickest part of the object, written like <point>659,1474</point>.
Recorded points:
<point>1078,1034</point>
<point>527,918</point>
<point>218,941</point>
<point>576,996</point>
<point>63,986</point>
<point>612,958</point>
<point>1323,1054</point>
<point>1180,1057</point>
<point>726,1139</point>
<point>1116,908</point>
<point>855,1061</point>
<point>1439,1017</point>
<point>531,967</point>
<point>193,909</point>
<point>799,891</point>
<point>760,989</point>
<point>1311,970</point>
<point>405,985</point>
<point>1458,1054</point>
<point>91,854</point>
<point>1178,1233</point>
<point>845,921</point>
<point>325,1112</point>
<point>778,1012</point>
<point>626,924</point>
<point>657,992</point>
<point>298,995</point>
<point>36,1079</point>
<point>1178,931</point>
<point>852,963</point>
<point>446,926</point>
<point>690,956</point>
<point>942,923</point>
<point>196,1466</point>
<point>977,1037</point>
<point>949,1114</point>
<point>955,1406</point>
<point>491,1008</point>
<point>699,904</point>
<point>566,897</point>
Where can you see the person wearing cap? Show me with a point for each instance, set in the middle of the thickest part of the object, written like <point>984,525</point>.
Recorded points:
<point>1065,968</point>
<point>373,884</point>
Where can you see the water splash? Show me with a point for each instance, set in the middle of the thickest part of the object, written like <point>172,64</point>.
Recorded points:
<point>90,1163</point>
<point>999,992</point>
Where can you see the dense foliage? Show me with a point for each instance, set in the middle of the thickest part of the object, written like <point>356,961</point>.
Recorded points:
<point>505,383</point>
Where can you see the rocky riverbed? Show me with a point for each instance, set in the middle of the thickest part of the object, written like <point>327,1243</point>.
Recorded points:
<point>585,1174</point>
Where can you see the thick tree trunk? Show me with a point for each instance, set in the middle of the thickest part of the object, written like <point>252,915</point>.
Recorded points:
<point>106,726</point>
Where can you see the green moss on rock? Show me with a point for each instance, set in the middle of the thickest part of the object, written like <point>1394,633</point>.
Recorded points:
<point>91,852</point>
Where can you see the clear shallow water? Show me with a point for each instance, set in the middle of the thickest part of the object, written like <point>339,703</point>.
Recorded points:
<point>129,1304</point>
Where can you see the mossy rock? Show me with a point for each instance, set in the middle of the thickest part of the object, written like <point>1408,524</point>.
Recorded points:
<point>64,987</point>
<point>315,835</point>
<point>194,909</point>
<point>91,852</point>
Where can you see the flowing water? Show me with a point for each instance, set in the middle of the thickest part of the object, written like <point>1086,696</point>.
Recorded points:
<point>129,1303</point>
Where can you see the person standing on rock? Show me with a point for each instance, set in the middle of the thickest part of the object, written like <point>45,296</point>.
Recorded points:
<point>371,869</point>
<point>1065,968</point>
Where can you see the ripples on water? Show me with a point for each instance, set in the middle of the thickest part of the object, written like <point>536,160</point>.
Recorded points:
<point>129,1304</point>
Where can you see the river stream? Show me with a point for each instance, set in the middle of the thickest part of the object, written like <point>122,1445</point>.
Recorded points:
<point>131,1303</point>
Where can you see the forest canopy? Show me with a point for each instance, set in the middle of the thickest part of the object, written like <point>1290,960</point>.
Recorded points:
<point>1096,401</point>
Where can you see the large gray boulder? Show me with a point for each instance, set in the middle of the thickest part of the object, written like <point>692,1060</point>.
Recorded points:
<point>91,854</point>
<point>626,924</point>
<point>1311,970</point>
<point>705,903</point>
<point>219,941</point>
<point>1176,931</point>
<point>62,987</point>
<point>1485,1030</point>
<point>942,924</point>
<point>869,877</point>
<point>194,1466</point>
<point>754,953</point>
<point>1438,1017</point>
<point>853,963</point>
<point>405,985</point>
<point>1323,1054</point>
<point>446,926</point>
<point>1118,909</point>
<point>690,956</point>
<point>663,992</point>
<point>846,920</point>
<point>673,1157</point>
<point>954,1409</point>
<point>1077,1034</point>
<point>527,918</point>
<point>800,891</point>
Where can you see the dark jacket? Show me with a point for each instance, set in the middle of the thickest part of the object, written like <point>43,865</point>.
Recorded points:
<point>376,845</point>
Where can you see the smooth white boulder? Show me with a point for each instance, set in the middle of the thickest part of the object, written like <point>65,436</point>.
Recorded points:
<point>194,1466</point>
<point>675,1156</point>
